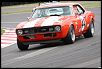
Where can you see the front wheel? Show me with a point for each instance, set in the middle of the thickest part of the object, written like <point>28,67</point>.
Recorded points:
<point>21,46</point>
<point>90,32</point>
<point>70,38</point>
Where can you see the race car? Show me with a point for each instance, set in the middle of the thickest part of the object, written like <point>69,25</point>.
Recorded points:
<point>55,22</point>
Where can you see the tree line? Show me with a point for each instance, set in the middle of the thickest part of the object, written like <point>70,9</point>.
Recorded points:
<point>18,3</point>
<point>14,3</point>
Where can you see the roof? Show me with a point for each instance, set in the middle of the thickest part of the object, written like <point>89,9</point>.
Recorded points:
<point>56,4</point>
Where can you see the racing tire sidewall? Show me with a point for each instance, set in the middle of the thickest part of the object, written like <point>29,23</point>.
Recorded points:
<point>91,30</point>
<point>70,38</point>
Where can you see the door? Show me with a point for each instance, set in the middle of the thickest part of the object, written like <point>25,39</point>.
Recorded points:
<point>80,17</point>
<point>81,13</point>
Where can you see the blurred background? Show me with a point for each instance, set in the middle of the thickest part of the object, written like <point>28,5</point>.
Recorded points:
<point>19,3</point>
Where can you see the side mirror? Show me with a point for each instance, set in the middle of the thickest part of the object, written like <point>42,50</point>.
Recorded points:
<point>33,9</point>
<point>28,18</point>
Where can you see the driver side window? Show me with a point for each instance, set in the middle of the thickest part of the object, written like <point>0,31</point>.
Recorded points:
<point>80,10</point>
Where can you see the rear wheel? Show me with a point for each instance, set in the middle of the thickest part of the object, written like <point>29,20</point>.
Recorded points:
<point>21,46</point>
<point>90,32</point>
<point>70,38</point>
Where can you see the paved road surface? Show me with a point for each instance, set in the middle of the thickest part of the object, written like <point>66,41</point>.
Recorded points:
<point>83,53</point>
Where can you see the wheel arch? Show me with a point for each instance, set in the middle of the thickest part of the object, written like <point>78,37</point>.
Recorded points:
<point>71,24</point>
<point>91,20</point>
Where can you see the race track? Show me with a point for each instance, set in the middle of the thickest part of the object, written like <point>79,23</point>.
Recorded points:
<point>84,53</point>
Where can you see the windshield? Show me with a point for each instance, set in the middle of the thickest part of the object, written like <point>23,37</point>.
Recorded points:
<point>51,11</point>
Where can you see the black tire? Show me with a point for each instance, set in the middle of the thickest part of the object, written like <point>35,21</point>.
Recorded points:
<point>21,46</point>
<point>90,31</point>
<point>70,38</point>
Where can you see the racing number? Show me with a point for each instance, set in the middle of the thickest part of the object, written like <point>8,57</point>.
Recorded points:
<point>83,22</point>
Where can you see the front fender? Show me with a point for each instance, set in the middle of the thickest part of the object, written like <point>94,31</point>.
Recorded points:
<point>65,27</point>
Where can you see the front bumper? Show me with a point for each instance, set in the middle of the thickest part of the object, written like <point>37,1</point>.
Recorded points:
<point>40,37</point>
<point>43,42</point>
<point>44,36</point>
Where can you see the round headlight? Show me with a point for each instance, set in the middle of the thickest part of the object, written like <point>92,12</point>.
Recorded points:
<point>20,32</point>
<point>57,28</point>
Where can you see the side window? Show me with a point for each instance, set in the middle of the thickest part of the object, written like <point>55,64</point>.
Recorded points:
<point>75,9</point>
<point>80,9</point>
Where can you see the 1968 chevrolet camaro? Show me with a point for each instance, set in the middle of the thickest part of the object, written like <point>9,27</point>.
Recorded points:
<point>53,22</point>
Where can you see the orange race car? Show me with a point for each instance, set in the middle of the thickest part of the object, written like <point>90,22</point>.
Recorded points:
<point>53,22</point>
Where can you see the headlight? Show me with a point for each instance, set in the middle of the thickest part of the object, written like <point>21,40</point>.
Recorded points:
<point>57,28</point>
<point>19,32</point>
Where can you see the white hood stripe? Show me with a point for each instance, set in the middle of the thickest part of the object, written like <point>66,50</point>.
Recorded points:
<point>31,24</point>
<point>50,21</point>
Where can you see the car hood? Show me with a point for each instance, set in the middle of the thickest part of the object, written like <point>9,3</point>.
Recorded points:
<point>44,21</point>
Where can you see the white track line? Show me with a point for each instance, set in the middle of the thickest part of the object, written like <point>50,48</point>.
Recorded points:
<point>8,41</point>
<point>9,33</point>
<point>8,38</point>
<point>6,45</point>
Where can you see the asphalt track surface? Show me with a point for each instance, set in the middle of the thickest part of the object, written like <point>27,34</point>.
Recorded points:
<point>84,53</point>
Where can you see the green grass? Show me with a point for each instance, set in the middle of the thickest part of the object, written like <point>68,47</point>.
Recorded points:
<point>20,11</point>
<point>14,6</point>
<point>2,31</point>
<point>86,4</point>
<point>93,4</point>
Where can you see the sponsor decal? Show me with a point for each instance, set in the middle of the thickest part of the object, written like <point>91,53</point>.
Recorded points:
<point>83,22</point>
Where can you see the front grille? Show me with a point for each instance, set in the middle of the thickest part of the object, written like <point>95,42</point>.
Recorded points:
<point>50,35</point>
<point>43,29</point>
<point>35,30</point>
